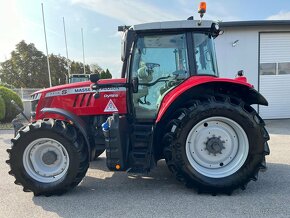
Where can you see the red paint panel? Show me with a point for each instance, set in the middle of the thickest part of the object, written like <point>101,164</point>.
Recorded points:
<point>83,103</point>
<point>191,82</point>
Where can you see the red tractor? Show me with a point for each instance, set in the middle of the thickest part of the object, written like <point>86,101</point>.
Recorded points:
<point>169,103</point>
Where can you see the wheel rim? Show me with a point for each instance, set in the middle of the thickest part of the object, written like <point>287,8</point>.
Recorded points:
<point>217,147</point>
<point>46,160</point>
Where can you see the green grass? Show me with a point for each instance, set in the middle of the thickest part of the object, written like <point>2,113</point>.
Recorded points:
<point>6,126</point>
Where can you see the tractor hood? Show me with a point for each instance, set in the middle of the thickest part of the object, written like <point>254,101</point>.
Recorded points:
<point>80,87</point>
<point>78,98</point>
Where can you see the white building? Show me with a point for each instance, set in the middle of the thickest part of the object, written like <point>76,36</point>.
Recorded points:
<point>262,50</point>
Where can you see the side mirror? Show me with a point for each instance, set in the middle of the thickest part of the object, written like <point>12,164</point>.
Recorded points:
<point>94,77</point>
<point>240,73</point>
<point>135,84</point>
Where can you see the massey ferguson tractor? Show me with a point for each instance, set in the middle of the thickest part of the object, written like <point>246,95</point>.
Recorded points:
<point>168,104</point>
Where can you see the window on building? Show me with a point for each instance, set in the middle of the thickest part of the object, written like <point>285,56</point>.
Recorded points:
<point>268,69</point>
<point>284,68</point>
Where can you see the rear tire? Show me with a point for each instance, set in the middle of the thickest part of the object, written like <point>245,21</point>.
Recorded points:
<point>216,144</point>
<point>48,157</point>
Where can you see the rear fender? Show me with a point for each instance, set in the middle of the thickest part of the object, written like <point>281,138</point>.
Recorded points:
<point>77,121</point>
<point>184,92</point>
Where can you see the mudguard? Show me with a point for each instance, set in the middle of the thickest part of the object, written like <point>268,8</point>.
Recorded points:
<point>77,121</point>
<point>207,84</point>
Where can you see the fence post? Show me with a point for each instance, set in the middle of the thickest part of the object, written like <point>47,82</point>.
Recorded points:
<point>21,90</point>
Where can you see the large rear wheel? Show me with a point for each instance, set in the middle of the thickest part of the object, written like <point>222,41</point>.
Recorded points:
<point>216,144</point>
<point>48,157</point>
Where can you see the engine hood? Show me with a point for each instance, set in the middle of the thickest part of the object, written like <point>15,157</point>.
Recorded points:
<point>79,87</point>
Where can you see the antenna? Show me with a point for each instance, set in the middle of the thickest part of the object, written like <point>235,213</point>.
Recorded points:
<point>83,51</point>
<point>48,66</point>
<point>67,60</point>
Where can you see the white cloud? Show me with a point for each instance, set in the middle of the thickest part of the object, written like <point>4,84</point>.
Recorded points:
<point>282,15</point>
<point>15,26</point>
<point>127,11</point>
<point>116,35</point>
<point>96,29</point>
<point>11,28</point>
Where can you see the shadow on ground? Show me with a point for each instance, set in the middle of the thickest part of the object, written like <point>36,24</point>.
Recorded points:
<point>159,194</point>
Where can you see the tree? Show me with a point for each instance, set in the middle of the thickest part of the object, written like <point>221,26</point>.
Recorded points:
<point>105,74</point>
<point>58,69</point>
<point>27,68</point>
<point>78,68</point>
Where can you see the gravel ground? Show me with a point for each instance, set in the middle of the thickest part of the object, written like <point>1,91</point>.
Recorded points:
<point>107,194</point>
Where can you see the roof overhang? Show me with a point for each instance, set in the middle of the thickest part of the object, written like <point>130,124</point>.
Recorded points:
<point>255,23</point>
<point>172,25</point>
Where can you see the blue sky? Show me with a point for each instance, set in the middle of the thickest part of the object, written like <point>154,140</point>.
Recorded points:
<point>22,20</point>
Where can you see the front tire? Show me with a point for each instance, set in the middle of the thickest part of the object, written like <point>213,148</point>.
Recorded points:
<point>216,144</point>
<point>48,157</point>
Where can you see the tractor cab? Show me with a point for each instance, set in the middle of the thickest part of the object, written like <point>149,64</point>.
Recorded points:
<point>162,56</point>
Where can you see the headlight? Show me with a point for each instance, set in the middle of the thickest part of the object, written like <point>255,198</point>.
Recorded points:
<point>34,101</point>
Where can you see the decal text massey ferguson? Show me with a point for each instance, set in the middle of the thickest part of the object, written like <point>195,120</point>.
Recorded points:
<point>85,90</point>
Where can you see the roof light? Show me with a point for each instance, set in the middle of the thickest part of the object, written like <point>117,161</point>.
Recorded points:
<point>202,8</point>
<point>201,11</point>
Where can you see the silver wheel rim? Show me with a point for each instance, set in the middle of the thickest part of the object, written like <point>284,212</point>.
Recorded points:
<point>217,147</point>
<point>46,160</point>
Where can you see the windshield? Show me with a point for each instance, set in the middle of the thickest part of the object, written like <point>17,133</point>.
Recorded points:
<point>205,54</point>
<point>78,79</point>
<point>160,63</point>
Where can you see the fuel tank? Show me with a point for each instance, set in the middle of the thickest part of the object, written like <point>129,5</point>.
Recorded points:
<point>78,98</point>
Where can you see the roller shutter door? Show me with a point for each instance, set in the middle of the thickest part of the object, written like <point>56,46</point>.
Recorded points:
<point>275,74</point>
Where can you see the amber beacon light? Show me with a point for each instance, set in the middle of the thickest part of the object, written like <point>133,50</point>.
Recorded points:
<point>202,8</point>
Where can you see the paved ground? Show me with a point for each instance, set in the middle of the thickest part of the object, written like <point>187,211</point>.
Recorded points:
<point>108,194</point>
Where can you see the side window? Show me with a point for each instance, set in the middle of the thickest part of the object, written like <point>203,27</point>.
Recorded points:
<point>204,54</point>
<point>160,63</point>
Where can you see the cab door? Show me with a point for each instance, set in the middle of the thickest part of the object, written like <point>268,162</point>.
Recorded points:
<point>160,63</point>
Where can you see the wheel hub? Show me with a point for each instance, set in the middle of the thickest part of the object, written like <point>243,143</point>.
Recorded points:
<point>46,160</point>
<point>214,145</point>
<point>49,157</point>
<point>217,147</point>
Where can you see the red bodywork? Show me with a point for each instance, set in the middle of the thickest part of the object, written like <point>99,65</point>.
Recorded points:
<point>78,98</point>
<point>191,82</point>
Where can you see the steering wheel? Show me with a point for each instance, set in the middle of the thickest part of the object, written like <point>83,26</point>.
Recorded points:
<point>161,79</point>
<point>151,66</point>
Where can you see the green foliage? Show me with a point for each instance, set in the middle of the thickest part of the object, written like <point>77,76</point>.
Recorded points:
<point>78,68</point>
<point>7,85</point>
<point>7,96</point>
<point>2,108</point>
<point>105,74</point>
<point>27,68</point>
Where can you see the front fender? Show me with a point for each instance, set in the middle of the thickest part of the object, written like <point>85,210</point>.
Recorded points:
<point>197,86</point>
<point>78,122</point>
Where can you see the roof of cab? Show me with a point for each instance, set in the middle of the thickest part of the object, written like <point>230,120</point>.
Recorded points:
<point>167,25</point>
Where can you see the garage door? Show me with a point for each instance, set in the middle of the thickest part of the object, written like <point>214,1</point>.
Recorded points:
<point>275,74</point>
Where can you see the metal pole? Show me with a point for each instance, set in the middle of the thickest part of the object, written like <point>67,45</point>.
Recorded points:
<point>48,66</point>
<point>83,51</point>
<point>68,64</point>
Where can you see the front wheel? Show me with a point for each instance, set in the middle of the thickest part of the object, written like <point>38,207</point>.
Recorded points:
<point>216,143</point>
<point>48,157</point>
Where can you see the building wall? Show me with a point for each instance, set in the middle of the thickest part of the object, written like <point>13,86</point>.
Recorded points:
<point>245,55</point>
